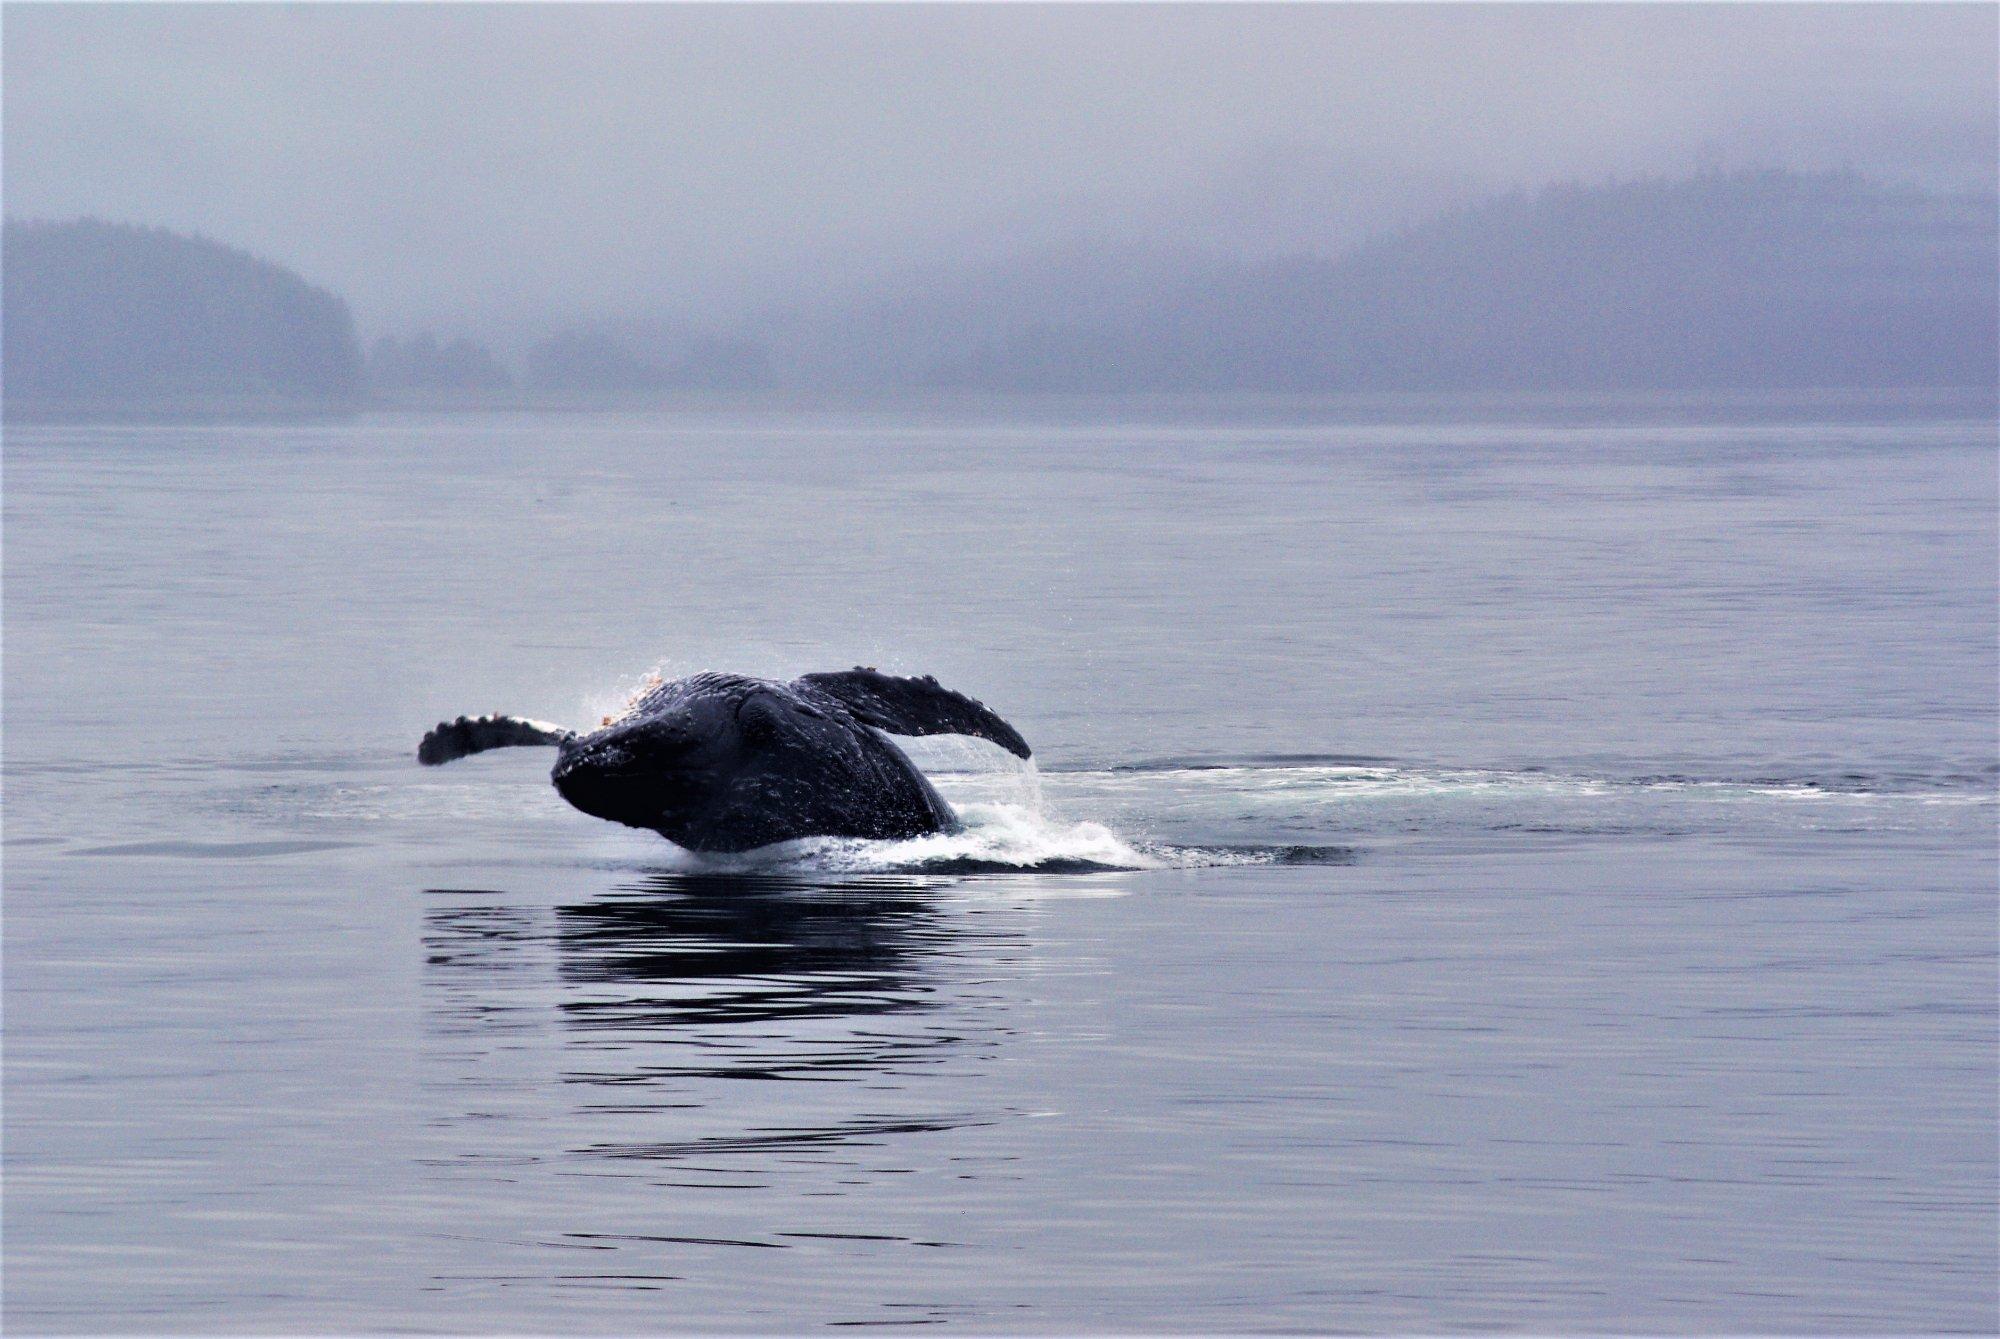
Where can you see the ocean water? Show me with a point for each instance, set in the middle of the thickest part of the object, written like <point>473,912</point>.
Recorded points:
<point>1518,866</point>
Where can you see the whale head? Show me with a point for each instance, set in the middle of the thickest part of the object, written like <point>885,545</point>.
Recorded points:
<point>656,773</point>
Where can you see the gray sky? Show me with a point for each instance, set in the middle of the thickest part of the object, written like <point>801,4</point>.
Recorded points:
<point>469,165</point>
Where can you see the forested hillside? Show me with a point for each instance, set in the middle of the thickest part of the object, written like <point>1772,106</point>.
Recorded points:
<point>115,316</point>
<point>1741,280</point>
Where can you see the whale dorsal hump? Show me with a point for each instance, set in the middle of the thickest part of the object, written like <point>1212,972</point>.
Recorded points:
<point>914,707</point>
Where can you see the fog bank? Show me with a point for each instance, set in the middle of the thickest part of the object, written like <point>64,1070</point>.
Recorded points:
<point>499,169</point>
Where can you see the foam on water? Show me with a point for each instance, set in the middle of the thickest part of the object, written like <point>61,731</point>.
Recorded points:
<point>995,838</point>
<point>1355,780</point>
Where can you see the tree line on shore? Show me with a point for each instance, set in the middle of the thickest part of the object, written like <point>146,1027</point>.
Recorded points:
<point>1742,280</point>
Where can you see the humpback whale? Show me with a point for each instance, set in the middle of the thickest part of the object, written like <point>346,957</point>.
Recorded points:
<point>723,762</point>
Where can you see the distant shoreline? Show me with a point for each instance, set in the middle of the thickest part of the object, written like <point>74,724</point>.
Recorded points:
<point>1970,401</point>
<point>179,409</point>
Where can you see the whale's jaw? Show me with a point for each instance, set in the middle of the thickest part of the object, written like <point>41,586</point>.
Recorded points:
<point>607,781</point>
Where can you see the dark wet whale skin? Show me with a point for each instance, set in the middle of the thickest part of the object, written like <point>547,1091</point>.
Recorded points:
<point>723,762</point>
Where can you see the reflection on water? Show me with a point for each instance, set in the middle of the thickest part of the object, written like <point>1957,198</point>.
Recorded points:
<point>666,1082</point>
<point>665,995</point>
<point>692,949</point>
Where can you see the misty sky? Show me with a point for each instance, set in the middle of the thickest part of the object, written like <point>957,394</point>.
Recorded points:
<point>477,168</point>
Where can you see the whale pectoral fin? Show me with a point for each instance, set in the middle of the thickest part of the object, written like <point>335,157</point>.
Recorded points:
<point>914,707</point>
<point>456,739</point>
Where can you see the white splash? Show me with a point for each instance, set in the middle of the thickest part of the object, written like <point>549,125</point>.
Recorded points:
<point>994,838</point>
<point>603,708</point>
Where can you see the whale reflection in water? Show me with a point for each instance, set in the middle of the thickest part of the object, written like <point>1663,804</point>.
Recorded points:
<point>689,1007</point>
<point>731,949</point>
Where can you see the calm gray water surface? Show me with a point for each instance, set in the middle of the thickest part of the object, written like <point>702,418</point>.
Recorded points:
<point>1494,868</point>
